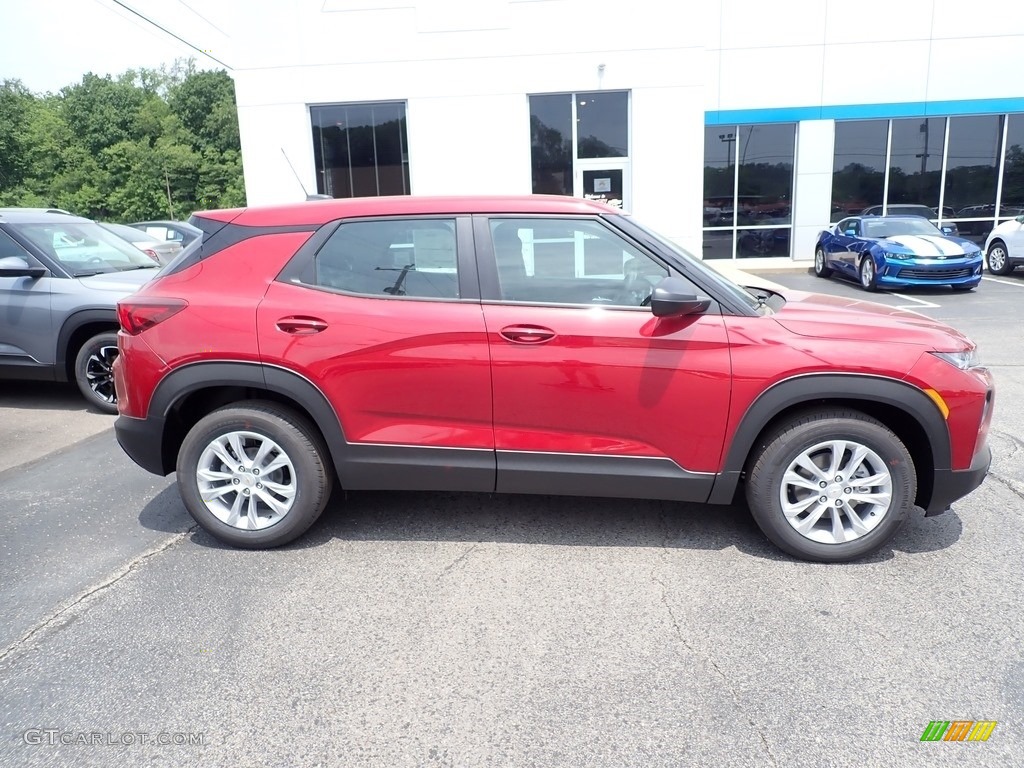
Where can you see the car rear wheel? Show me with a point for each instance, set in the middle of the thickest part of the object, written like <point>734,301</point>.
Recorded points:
<point>94,372</point>
<point>998,259</point>
<point>821,268</point>
<point>254,476</point>
<point>831,485</point>
<point>868,276</point>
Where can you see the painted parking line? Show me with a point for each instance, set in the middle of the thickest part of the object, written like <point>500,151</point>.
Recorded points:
<point>1004,282</point>
<point>917,302</point>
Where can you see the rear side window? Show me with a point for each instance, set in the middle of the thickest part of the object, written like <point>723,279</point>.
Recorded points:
<point>390,258</point>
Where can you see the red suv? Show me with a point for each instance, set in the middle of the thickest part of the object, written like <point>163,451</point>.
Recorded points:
<point>530,345</point>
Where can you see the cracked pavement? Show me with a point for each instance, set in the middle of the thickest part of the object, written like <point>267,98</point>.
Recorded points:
<point>469,630</point>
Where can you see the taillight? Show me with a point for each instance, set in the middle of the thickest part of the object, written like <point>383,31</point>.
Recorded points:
<point>138,314</point>
<point>152,254</point>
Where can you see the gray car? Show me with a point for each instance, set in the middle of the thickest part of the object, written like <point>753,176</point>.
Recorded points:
<point>61,277</point>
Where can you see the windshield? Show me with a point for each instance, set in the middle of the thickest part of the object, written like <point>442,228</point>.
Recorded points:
<point>85,248</point>
<point>908,226</point>
<point>711,274</point>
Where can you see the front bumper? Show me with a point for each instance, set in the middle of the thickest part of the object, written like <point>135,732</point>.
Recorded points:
<point>142,440</point>
<point>951,484</point>
<point>904,273</point>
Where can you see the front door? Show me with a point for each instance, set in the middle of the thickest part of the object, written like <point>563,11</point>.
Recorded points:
<point>592,393</point>
<point>26,337</point>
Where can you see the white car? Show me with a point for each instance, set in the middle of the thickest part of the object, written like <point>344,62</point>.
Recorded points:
<point>1004,248</point>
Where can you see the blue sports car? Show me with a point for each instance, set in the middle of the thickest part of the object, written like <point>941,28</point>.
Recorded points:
<point>897,252</point>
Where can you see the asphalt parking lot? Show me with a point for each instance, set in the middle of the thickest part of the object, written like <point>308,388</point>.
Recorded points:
<point>470,630</point>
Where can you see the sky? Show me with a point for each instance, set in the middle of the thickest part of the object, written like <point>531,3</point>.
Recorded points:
<point>48,44</point>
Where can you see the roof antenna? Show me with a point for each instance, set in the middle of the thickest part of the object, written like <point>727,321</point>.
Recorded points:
<point>303,186</point>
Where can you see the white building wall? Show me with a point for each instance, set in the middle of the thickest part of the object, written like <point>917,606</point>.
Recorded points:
<point>465,69</point>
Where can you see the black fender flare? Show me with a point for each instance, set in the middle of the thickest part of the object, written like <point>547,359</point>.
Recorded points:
<point>812,388</point>
<point>195,376</point>
<point>71,324</point>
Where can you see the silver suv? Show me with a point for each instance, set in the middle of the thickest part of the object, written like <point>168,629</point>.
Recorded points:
<point>61,277</point>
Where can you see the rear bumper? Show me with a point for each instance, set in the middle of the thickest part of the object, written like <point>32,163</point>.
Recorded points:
<point>142,440</point>
<point>951,485</point>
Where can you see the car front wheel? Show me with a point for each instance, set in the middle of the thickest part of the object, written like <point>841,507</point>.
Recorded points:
<point>94,372</point>
<point>821,268</point>
<point>998,259</point>
<point>868,276</point>
<point>254,476</point>
<point>831,485</point>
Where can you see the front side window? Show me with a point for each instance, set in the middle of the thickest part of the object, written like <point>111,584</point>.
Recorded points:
<point>553,261</point>
<point>85,248</point>
<point>361,150</point>
<point>392,258</point>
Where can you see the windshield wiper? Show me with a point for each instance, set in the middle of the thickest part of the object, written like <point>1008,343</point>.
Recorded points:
<point>138,266</point>
<point>90,272</point>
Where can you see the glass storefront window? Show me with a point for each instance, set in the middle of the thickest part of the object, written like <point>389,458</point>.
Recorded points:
<point>748,190</point>
<point>360,150</point>
<point>858,179</point>
<point>1012,202</point>
<point>915,161</point>
<point>602,124</point>
<point>972,174</point>
<point>551,143</point>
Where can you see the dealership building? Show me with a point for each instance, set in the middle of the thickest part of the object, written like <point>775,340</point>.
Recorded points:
<point>739,134</point>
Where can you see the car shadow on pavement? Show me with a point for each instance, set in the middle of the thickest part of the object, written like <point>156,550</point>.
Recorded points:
<point>570,521</point>
<point>42,395</point>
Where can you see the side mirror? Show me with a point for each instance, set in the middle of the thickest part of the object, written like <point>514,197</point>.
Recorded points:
<point>947,230</point>
<point>1020,219</point>
<point>15,266</point>
<point>850,233</point>
<point>672,298</point>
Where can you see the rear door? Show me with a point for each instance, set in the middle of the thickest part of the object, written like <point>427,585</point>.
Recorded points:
<point>384,316</point>
<point>592,393</point>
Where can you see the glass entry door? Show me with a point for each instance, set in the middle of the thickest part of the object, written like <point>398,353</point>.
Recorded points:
<point>604,180</point>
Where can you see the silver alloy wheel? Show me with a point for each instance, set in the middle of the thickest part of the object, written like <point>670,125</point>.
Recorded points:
<point>246,480</point>
<point>819,261</point>
<point>99,372</point>
<point>867,272</point>
<point>996,258</point>
<point>836,491</point>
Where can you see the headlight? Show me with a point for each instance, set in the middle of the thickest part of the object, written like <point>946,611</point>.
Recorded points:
<point>889,255</point>
<point>965,360</point>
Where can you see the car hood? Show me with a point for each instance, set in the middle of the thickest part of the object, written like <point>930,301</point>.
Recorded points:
<point>126,282</point>
<point>836,317</point>
<point>930,245</point>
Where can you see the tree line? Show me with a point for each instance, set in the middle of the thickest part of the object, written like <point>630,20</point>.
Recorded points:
<point>147,144</point>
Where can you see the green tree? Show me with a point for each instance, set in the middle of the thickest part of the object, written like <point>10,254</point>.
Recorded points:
<point>112,148</point>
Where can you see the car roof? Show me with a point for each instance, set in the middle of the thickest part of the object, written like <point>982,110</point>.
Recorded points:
<point>315,212</point>
<point>39,216</point>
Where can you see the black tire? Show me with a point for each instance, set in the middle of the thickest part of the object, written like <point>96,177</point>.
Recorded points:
<point>868,274</point>
<point>821,269</point>
<point>1003,264</point>
<point>299,440</point>
<point>778,449</point>
<point>93,373</point>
